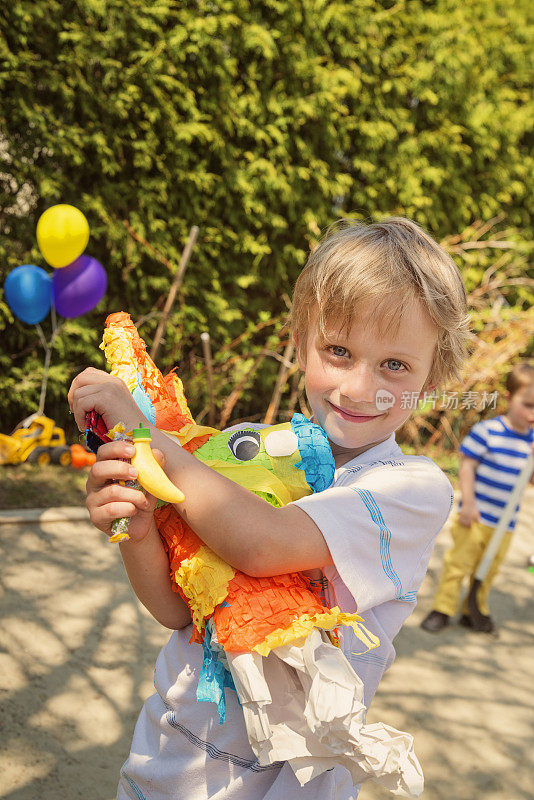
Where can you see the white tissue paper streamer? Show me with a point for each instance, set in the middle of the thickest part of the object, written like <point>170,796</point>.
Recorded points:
<point>304,704</point>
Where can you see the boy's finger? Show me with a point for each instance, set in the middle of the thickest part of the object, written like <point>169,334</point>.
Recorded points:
<point>104,472</point>
<point>90,375</point>
<point>95,394</point>
<point>85,399</point>
<point>103,516</point>
<point>159,455</point>
<point>115,450</point>
<point>110,473</point>
<point>115,493</point>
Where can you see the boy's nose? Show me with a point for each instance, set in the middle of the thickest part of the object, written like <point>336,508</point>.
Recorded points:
<point>359,385</point>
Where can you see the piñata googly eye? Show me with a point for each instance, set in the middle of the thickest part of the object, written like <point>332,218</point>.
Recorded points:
<point>244,445</point>
<point>281,443</point>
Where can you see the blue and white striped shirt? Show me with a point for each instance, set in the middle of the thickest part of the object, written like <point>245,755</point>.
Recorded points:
<point>501,453</point>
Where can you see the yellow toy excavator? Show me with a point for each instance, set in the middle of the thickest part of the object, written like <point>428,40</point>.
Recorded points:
<point>36,440</point>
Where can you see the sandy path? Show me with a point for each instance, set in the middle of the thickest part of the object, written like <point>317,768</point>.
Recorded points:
<point>467,697</point>
<point>77,655</point>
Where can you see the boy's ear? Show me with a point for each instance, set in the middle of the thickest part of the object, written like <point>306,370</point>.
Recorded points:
<point>427,389</point>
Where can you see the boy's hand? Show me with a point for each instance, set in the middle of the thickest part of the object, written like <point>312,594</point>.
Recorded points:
<point>108,500</point>
<point>94,389</point>
<point>468,514</point>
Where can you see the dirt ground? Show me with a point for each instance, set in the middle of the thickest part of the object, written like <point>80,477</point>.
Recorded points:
<point>77,654</point>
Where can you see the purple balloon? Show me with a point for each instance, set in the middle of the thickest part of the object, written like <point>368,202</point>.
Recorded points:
<point>78,288</point>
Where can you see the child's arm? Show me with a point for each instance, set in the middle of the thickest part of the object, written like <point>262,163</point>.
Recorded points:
<point>147,567</point>
<point>244,530</point>
<point>240,527</point>
<point>144,556</point>
<point>469,512</point>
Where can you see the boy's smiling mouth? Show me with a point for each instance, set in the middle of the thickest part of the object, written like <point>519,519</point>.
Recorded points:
<point>351,416</point>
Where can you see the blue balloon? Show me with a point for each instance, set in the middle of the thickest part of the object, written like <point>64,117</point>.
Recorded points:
<point>28,291</point>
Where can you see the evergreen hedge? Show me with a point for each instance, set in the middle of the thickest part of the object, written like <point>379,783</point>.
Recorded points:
<point>260,122</point>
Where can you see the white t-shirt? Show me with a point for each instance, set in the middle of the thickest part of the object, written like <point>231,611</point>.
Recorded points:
<point>379,518</point>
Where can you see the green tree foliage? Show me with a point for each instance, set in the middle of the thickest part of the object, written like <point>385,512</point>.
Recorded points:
<point>260,122</point>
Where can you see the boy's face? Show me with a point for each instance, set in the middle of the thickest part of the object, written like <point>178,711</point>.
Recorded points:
<point>363,384</point>
<point>521,408</point>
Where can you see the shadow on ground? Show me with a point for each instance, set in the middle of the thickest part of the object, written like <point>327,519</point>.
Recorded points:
<point>466,697</point>
<point>77,654</point>
<point>76,658</point>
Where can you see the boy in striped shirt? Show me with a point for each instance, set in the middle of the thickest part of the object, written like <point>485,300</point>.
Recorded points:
<point>493,454</point>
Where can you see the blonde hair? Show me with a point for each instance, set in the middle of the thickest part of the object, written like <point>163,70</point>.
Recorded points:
<point>380,268</point>
<point>519,376</point>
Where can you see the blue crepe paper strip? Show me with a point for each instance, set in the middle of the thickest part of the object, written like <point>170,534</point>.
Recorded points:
<point>142,398</point>
<point>316,456</point>
<point>213,678</point>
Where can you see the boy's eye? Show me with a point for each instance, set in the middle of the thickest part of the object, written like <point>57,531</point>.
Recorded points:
<point>394,365</point>
<point>337,350</point>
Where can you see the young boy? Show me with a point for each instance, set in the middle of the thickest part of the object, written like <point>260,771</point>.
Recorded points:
<point>493,453</point>
<point>379,314</point>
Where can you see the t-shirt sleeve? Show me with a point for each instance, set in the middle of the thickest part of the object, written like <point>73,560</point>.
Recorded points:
<point>380,529</point>
<point>475,444</point>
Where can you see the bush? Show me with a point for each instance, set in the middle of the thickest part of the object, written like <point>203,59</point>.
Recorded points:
<point>260,122</point>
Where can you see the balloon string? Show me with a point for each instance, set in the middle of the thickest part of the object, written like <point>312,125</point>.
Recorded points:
<point>41,336</point>
<point>48,346</point>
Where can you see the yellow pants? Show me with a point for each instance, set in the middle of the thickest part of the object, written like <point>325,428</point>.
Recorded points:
<point>461,561</point>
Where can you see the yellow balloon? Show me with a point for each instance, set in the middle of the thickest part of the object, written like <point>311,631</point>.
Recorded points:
<point>62,234</point>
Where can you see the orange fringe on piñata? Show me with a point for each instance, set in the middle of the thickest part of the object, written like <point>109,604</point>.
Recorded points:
<point>254,607</point>
<point>257,613</point>
<point>126,352</point>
